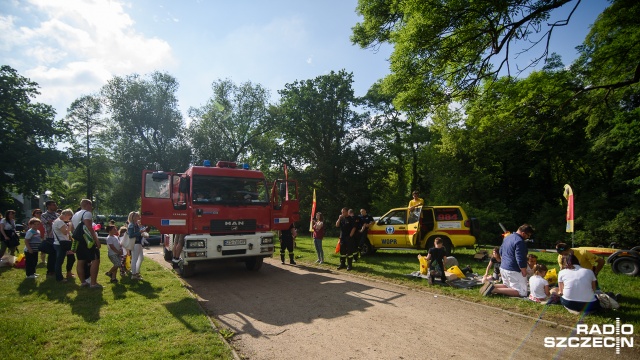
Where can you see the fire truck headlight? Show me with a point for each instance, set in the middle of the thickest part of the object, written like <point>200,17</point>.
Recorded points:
<point>266,240</point>
<point>196,244</point>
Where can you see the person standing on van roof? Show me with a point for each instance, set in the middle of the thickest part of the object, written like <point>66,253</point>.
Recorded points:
<point>416,201</point>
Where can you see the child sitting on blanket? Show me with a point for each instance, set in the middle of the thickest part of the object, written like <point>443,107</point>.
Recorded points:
<point>538,285</point>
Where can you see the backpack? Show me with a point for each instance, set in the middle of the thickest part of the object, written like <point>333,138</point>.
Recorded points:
<point>78,232</point>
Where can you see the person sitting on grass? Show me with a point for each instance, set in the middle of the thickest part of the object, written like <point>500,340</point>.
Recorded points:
<point>436,257</point>
<point>513,268</point>
<point>495,263</point>
<point>538,285</point>
<point>576,286</point>
<point>532,261</point>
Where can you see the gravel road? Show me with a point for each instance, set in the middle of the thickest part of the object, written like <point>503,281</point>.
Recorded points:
<point>303,312</point>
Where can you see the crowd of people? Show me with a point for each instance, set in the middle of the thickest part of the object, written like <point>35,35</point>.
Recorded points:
<point>60,235</point>
<point>522,276</point>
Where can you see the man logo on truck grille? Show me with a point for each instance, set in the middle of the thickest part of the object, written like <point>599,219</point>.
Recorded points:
<point>234,223</point>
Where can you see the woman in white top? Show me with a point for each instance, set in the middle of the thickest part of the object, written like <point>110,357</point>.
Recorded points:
<point>62,244</point>
<point>7,229</point>
<point>577,286</point>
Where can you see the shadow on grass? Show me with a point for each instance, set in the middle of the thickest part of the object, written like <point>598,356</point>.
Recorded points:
<point>141,287</point>
<point>184,310</point>
<point>87,304</point>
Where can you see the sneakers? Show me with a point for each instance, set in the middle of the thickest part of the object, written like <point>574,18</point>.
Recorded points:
<point>175,260</point>
<point>32,276</point>
<point>114,280</point>
<point>108,274</point>
<point>95,286</point>
<point>349,268</point>
<point>486,289</point>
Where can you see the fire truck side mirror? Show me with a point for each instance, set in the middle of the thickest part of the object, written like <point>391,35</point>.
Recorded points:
<point>184,185</point>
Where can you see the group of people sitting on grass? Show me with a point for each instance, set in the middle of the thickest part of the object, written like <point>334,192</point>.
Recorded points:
<point>522,276</point>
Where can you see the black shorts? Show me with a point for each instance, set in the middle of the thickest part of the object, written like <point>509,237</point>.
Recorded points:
<point>85,254</point>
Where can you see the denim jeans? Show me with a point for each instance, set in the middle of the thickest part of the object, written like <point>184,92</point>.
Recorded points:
<point>61,251</point>
<point>585,307</point>
<point>318,244</point>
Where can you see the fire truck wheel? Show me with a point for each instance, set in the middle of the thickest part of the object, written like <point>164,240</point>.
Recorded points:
<point>626,265</point>
<point>186,271</point>
<point>254,263</point>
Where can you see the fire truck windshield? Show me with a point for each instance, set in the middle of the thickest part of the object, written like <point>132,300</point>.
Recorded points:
<point>229,190</point>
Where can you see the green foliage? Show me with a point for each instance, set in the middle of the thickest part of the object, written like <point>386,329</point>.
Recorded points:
<point>444,49</point>
<point>232,123</point>
<point>318,129</point>
<point>28,138</point>
<point>145,131</point>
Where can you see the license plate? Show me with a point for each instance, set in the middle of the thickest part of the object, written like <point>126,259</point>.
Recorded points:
<point>235,242</point>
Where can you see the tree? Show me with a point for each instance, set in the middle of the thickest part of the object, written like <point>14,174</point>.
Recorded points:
<point>83,117</point>
<point>445,49</point>
<point>29,135</point>
<point>145,130</point>
<point>231,124</point>
<point>318,130</point>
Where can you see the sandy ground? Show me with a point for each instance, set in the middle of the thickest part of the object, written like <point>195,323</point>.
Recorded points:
<point>301,312</point>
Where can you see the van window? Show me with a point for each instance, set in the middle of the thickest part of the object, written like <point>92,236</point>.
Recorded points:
<point>448,214</point>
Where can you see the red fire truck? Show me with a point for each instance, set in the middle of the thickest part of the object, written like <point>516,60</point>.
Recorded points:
<point>222,212</point>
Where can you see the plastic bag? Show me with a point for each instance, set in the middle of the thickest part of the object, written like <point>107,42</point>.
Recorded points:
<point>127,262</point>
<point>21,262</point>
<point>423,264</point>
<point>8,260</point>
<point>456,271</point>
<point>551,276</point>
<point>338,247</point>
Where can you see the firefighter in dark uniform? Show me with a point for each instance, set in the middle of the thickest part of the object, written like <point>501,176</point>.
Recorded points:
<point>286,242</point>
<point>363,227</point>
<point>355,242</point>
<point>347,227</point>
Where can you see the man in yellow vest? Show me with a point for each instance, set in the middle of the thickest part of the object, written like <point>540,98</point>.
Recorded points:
<point>587,260</point>
<point>416,201</point>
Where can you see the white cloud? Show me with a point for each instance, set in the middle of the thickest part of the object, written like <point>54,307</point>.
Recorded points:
<point>75,46</point>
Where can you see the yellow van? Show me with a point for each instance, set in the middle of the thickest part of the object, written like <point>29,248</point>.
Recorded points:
<point>404,229</point>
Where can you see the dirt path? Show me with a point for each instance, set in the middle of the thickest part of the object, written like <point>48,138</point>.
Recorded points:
<point>298,312</point>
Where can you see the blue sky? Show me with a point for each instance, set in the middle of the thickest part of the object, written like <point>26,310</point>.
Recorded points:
<point>73,47</point>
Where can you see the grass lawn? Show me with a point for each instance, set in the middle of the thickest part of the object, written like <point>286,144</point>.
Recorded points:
<point>156,318</point>
<point>393,265</point>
